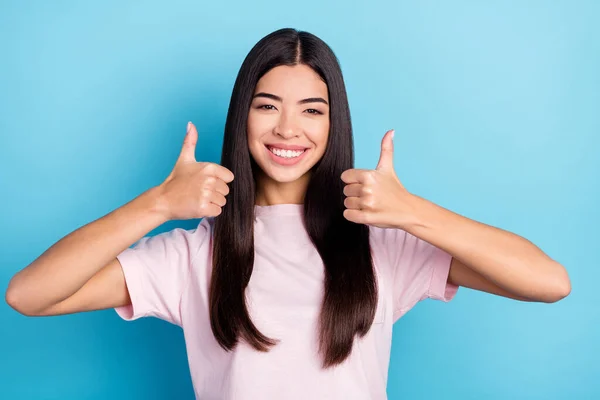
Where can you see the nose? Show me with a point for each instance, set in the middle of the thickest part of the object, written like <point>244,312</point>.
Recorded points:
<point>286,127</point>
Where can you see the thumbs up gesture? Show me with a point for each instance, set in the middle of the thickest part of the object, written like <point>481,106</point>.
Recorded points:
<point>376,197</point>
<point>194,189</point>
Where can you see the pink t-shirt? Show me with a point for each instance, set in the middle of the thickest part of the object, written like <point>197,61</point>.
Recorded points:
<point>168,277</point>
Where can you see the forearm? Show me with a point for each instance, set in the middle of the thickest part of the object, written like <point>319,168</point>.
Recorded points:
<point>504,258</point>
<point>69,263</point>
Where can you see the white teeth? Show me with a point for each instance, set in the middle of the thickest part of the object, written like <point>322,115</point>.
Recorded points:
<point>286,153</point>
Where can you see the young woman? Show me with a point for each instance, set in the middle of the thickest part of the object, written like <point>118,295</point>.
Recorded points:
<point>290,285</point>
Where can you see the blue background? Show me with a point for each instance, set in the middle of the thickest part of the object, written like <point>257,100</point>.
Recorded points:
<point>496,107</point>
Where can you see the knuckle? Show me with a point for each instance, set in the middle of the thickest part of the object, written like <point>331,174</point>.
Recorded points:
<point>369,201</point>
<point>210,181</point>
<point>205,194</point>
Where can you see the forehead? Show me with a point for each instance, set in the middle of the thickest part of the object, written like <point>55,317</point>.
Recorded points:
<point>292,82</point>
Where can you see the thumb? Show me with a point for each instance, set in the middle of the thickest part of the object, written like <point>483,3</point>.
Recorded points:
<point>386,159</point>
<point>188,150</point>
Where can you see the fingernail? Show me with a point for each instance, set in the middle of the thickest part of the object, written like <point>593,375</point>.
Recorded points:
<point>393,131</point>
<point>188,126</point>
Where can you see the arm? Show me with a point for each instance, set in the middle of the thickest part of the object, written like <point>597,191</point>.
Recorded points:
<point>484,257</point>
<point>80,272</point>
<point>488,258</point>
<point>461,275</point>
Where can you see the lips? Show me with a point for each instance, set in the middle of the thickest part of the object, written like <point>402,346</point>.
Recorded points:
<point>282,146</point>
<point>284,160</point>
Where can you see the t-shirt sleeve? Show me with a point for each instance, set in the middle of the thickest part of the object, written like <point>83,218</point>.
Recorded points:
<point>157,269</point>
<point>416,269</point>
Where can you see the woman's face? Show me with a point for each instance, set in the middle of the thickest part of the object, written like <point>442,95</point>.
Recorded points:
<point>288,122</point>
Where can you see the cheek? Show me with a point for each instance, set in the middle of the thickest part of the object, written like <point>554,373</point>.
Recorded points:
<point>322,135</point>
<point>251,127</point>
<point>317,129</point>
<point>259,123</point>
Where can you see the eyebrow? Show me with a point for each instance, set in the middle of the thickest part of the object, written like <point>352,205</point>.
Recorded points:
<point>303,101</point>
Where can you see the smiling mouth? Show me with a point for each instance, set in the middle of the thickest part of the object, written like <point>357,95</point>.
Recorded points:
<point>287,154</point>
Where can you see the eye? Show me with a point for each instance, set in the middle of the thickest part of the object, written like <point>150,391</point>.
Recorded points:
<point>265,107</point>
<point>314,111</point>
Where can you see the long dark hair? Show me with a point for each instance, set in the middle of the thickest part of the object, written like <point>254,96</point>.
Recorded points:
<point>350,293</point>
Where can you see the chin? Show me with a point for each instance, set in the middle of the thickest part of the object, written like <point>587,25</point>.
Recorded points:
<point>285,176</point>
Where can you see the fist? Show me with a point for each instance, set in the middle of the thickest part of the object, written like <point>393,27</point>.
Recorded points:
<point>194,189</point>
<point>377,197</point>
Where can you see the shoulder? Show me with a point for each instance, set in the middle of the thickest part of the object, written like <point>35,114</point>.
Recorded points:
<point>206,225</point>
<point>396,248</point>
<point>386,244</point>
<point>176,245</point>
<point>200,237</point>
<point>383,237</point>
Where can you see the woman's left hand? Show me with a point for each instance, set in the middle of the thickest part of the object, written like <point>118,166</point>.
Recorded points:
<point>377,197</point>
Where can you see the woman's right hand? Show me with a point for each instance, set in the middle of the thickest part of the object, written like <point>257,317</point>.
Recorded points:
<point>194,189</point>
